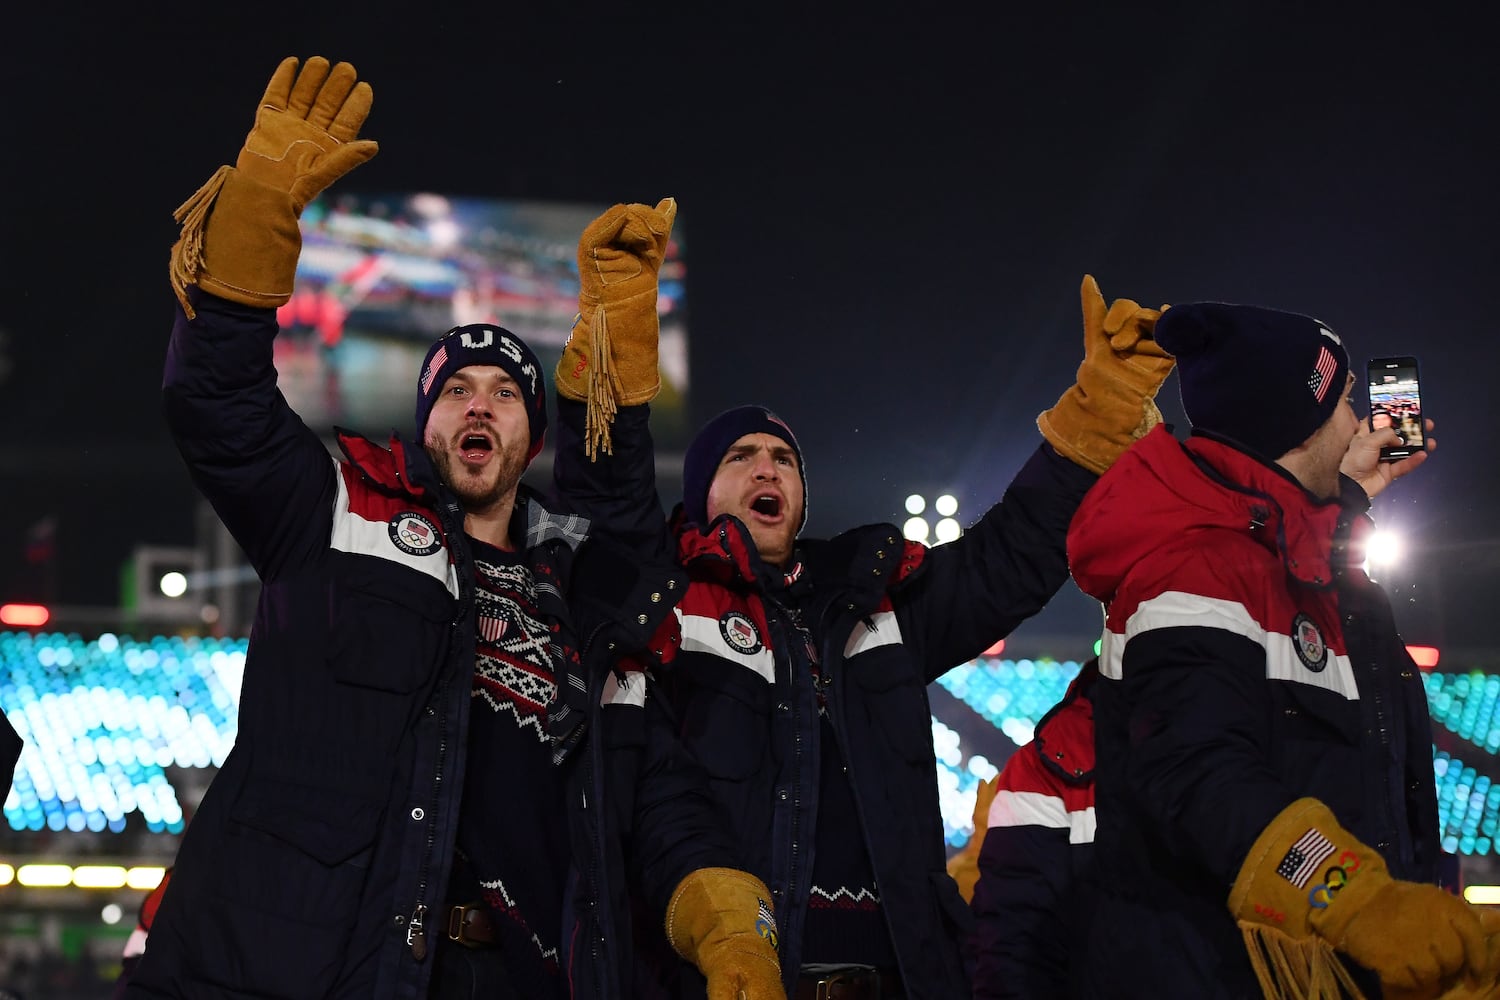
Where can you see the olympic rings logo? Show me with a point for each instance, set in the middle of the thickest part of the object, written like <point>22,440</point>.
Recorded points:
<point>766,929</point>
<point>1334,879</point>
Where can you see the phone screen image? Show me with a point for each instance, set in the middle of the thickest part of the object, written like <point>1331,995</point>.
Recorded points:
<point>1396,402</point>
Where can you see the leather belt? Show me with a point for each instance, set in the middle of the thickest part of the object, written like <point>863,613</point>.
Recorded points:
<point>847,983</point>
<point>469,925</point>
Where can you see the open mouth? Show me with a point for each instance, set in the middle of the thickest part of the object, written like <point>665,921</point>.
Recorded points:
<point>766,505</point>
<point>475,447</point>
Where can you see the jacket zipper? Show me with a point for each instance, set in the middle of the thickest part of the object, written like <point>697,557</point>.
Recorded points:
<point>416,934</point>
<point>596,831</point>
<point>416,931</point>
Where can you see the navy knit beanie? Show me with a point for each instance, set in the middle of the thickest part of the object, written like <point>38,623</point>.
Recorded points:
<point>1261,379</point>
<point>483,344</point>
<point>701,462</point>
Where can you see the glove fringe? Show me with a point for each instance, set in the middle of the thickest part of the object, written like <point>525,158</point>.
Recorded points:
<point>602,405</point>
<point>187,253</point>
<point>1290,968</point>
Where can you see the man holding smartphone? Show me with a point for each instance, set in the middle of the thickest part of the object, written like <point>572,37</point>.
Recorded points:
<point>1263,737</point>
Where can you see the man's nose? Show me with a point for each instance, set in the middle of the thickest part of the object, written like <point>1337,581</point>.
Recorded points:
<point>765,468</point>
<point>479,406</point>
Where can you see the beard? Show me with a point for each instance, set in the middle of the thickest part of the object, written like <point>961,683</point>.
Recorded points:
<point>774,544</point>
<point>478,490</point>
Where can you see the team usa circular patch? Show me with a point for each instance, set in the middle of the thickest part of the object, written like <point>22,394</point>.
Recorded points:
<point>1308,641</point>
<point>740,632</point>
<point>414,534</point>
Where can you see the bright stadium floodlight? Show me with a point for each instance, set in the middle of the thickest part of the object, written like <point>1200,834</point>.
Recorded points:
<point>1384,548</point>
<point>160,581</point>
<point>918,529</point>
<point>111,913</point>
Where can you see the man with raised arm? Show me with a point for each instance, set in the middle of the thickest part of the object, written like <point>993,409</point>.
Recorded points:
<point>798,666</point>
<point>442,784</point>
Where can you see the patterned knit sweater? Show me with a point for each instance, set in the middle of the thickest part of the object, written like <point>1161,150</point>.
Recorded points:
<point>512,825</point>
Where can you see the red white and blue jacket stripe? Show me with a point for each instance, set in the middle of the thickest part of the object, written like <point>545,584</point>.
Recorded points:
<point>1034,893</point>
<point>1247,661</point>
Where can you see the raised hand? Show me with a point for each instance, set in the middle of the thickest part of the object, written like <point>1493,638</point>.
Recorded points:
<point>1113,402</point>
<point>610,359</point>
<point>240,239</point>
<point>305,130</point>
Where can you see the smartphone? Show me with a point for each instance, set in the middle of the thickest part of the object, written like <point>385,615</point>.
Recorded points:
<point>1396,401</point>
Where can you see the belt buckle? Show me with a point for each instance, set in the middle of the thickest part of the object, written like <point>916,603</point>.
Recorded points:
<point>847,977</point>
<point>457,929</point>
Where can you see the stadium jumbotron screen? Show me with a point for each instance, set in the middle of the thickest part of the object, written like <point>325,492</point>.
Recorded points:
<point>383,276</point>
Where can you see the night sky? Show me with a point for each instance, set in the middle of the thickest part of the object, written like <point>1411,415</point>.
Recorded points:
<point>888,220</point>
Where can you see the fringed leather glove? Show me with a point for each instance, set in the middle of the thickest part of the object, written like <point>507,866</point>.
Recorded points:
<point>1113,402</point>
<point>721,920</point>
<point>240,239</point>
<point>610,359</point>
<point>1308,888</point>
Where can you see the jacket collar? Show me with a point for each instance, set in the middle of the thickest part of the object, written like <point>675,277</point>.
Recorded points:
<point>723,551</point>
<point>1162,490</point>
<point>399,467</point>
<point>545,525</point>
<point>867,559</point>
<point>1301,526</point>
<point>404,468</point>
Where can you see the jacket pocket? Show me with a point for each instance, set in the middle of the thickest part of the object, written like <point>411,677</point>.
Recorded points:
<point>328,826</point>
<point>726,719</point>
<point>1318,748</point>
<point>896,702</point>
<point>1319,716</point>
<point>289,884</point>
<point>388,630</point>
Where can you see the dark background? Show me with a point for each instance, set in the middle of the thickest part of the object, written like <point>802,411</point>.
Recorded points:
<point>889,217</point>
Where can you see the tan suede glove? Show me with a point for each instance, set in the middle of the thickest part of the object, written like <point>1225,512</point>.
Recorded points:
<point>1309,888</point>
<point>1113,402</point>
<point>1485,985</point>
<point>963,867</point>
<point>240,239</point>
<point>720,919</point>
<point>610,359</point>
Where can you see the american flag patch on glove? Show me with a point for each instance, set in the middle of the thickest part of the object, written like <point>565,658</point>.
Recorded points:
<point>765,922</point>
<point>1304,857</point>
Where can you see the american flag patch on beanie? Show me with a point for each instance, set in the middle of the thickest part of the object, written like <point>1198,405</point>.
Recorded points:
<point>434,366</point>
<point>1322,376</point>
